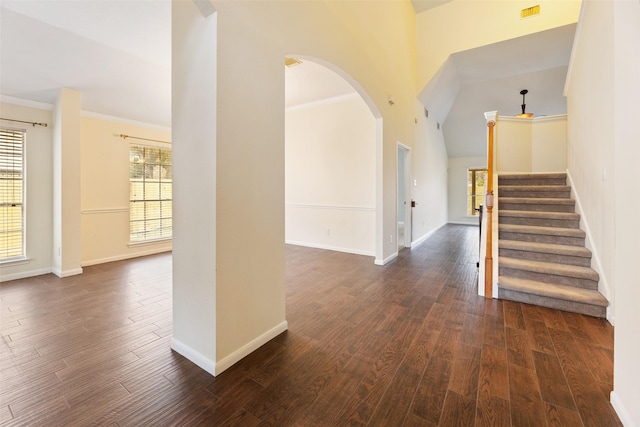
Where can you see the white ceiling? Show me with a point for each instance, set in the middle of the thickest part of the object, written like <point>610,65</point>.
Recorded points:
<point>490,78</point>
<point>310,81</point>
<point>117,53</point>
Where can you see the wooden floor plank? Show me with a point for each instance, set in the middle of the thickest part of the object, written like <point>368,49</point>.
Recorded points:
<point>407,344</point>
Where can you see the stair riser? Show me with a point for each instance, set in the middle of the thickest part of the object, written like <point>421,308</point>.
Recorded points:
<point>532,181</point>
<point>574,307</point>
<point>536,207</point>
<point>542,238</point>
<point>549,278</point>
<point>512,192</point>
<point>545,257</point>
<point>542,222</point>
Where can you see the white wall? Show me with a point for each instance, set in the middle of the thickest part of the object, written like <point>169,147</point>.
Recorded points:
<point>458,167</point>
<point>626,394</point>
<point>372,45</point>
<point>39,192</point>
<point>531,145</point>
<point>603,136</point>
<point>194,128</point>
<point>105,188</point>
<point>330,159</point>
<point>590,153</point>
<point>429,179</point>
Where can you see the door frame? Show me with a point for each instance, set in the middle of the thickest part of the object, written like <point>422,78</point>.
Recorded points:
<point>405,182</point>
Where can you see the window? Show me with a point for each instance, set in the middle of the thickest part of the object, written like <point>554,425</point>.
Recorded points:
<point>11,194</point>
<point>150,193</point>
<point>476,179</point>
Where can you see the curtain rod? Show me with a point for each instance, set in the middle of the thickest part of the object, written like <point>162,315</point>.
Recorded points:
<point>34,124</point>
<point>123,136</point>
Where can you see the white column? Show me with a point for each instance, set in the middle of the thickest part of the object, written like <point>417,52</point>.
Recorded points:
<point>67,243</point>
<point>194,44</point>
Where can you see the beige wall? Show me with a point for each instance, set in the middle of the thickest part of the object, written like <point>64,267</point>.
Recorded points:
<point>330,175</point>
<point>471,24</point>
<point>104,181</point>
<point>250,138</point>
<point>94,225</point>
<point>532,145</point>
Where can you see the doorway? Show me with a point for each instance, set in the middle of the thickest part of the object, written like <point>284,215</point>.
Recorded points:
<point>404,201</point>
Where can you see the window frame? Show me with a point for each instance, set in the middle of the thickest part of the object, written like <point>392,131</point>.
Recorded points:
<point>162,236</point>
<point>22,256</point>
<point>472,196</point>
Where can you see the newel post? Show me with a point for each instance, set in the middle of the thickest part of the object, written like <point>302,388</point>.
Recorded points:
<point>488,261</point>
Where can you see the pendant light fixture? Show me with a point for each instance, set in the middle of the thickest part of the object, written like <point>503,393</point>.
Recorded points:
<point>524,115</point>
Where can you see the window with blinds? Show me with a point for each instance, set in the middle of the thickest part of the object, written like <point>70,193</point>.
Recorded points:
<point>150,193</point>
<point>11,194</point>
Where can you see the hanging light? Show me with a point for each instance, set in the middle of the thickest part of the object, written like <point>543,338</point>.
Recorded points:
<point>524,115</point>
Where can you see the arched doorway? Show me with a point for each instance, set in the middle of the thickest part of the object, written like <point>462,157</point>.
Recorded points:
<point>332,157</point>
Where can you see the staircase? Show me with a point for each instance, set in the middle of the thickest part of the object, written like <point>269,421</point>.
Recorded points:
<point>542,254</point>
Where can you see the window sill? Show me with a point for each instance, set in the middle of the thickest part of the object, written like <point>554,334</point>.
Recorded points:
<point>15,261</point>
<point>149,242</point>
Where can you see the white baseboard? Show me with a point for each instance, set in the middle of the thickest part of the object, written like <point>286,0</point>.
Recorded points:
<point>67,273</point>
<point>24,274</point>
<point>124,256</point>
<point>622,412</point>
<point>475,222</point>
<point>603,285</point>
<point>196,357</point>
<point>217,368</point>
<point>329,248</point>
<point>387,259</point>
<point>250,347</point>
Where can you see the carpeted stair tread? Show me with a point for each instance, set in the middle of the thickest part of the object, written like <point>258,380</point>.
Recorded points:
<point>534,188</point>
<point>549,248</point>
<point>566,293</point>
<point>534,229</point>
<point>541,215</point>
<point>537,201</point>
<point>553,268</point>
<point>525,176</point>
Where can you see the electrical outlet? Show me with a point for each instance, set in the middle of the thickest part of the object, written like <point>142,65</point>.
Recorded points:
<point>390,238</point>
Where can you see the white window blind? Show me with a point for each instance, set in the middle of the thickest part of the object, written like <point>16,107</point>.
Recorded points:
<point>150,193</point>
<point>11,194</point>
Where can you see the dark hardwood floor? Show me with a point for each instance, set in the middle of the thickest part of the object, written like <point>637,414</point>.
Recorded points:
<point>408,344</point>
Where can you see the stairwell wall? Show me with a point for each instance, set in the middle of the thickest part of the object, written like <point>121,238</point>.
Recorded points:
<point>601,93</point>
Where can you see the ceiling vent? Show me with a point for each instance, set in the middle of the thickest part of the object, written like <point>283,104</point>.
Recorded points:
<point>530,11</point>
<point>292,62</point>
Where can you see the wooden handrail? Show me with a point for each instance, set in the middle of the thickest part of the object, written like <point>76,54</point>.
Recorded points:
<point>488,260</point>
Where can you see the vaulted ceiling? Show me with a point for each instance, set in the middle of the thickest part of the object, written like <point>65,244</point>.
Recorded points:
<point>118,55</point>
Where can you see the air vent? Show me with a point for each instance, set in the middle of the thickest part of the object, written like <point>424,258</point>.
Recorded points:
<point>530,11</point>
<point>292,62</point>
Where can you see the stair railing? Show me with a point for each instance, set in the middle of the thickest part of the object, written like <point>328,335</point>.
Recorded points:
<point>488,261</point>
